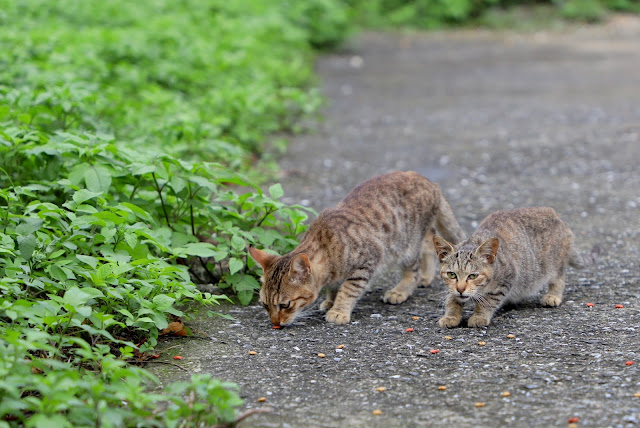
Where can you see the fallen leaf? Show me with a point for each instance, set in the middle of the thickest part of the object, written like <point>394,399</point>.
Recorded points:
<point>176,328</point>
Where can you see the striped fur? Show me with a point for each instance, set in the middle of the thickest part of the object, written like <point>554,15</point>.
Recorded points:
<point>512,255</point>
<point>389,219</point>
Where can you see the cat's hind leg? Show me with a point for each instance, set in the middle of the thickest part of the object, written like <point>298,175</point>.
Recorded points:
<point>428,260</point>
<point>406,286</point>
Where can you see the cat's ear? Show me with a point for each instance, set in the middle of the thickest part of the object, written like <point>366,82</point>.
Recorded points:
<point>443,248</point>
<point>488,250</point>
<point>300,268</point>
<point>265,259</point>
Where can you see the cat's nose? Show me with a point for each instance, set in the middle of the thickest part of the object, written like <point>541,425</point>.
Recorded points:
<point>461,289</point>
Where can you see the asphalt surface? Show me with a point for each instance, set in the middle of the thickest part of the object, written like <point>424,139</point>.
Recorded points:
<point>499,120</point>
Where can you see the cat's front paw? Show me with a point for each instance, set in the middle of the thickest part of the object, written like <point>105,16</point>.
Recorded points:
<point>478,321</point>
<point>394,297</point>
<point>337,317</point>
<point>551,300</point>
<point>449,321</point>
<point>326,305</point>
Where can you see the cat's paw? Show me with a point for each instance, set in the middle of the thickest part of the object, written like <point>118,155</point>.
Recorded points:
<point>551,300</point>
<point>449,321</point>
<point>478,321</point>
<point>326,305</point>
<point>394,297</point>
<point>337,317</point>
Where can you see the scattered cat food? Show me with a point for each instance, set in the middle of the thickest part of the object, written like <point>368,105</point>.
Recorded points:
<point>381,389</point>
<point>154,356</point>
<point>276,327</point>
<point>511,336</point>
<point>339,346</point>
<point>479,404</point>
<point>261,399</point>
<point>619,306</point>
<point>572,426</point>
<point>448,337</point>
<point>506,394</point>
<point>574,420</point>
<point>321,355</point>
<point>415,318</point>
<point>377,412</point>
<point>434,351</point>
<point>253,353</point>
<point>589,305</point>
<point>481,343</point>
<point>177,357</point>
<point>637,395</point>
<point>629,363</point>
<point>442,387</point>
<point>409,330</point>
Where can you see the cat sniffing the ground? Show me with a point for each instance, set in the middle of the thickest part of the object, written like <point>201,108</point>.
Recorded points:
<point>513,254</point>
<point>389,219</point>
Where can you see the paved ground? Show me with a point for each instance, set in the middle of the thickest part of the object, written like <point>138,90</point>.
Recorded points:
<point>500,121</point>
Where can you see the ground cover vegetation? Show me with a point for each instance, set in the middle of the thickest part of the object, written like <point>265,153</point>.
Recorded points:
<point>129,133</point>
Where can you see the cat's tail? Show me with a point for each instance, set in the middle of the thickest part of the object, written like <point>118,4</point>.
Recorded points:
<point>580,260</point>
<point>446,223</point>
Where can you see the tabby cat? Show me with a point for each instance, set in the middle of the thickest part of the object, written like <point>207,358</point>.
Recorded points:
<point>385,220</point>
<point>513,254</point>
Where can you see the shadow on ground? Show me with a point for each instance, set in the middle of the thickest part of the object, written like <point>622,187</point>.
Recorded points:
<point>500,121</point>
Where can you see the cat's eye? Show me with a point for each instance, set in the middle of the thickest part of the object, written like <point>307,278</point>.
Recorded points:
<point>285,305</point>
<point>472,276</point>
<point>452,275</point>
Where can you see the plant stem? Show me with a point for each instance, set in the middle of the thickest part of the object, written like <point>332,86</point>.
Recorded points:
<point>164,208</point>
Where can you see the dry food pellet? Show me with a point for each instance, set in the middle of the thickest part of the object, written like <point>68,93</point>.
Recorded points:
<point>339,346</point>
<point>434,351</point>
<point>511,336</point>
<point>589,305</point>
<point>252,353</point>
<point>574,420</point>
<point>619,306</point>
<point>381,388</point>
<point>409,330</point>
<point>448,337</point>
<point>442,387</point>
<point>482,343</point>
<point>629,363</point>
<point>572,426</point>
<point>479,404</point>
<point>276,327</point>
<point>321,355</point>
<point>261,399</point>
<point>506,394</point>
<point>415,318</point>
<point>177,357</point>
<point>637,394</point>
<point>377,412</point>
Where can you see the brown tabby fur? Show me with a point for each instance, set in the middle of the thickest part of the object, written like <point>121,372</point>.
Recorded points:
<point>385,220</point>
<point>512,255</point>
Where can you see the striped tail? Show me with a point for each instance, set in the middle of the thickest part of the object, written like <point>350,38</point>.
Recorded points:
<point>446,223</point>
<point>582,260</point>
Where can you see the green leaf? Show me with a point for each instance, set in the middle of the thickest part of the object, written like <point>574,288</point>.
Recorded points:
<point>235,265</point>
<point>97,178</point>
<point>245,297</point>
<point>75,297</point>
<point>83,195</point>
<point>200,249</point>
<point>238,243</point>
<point>42,420</point>
<point>91,261</point>
<point>276,191</point>
<point>163,302</point>
<point>57,273</point>
<point>29,225</point>
<point>27,246</point>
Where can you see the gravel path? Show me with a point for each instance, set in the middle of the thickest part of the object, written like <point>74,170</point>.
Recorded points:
<point>499,121</point>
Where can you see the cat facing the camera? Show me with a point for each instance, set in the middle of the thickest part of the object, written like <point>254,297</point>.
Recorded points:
<point>513,254</point>
<point>389,219</point>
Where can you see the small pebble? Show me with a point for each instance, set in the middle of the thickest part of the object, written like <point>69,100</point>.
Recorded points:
<point>511,336</point>
<point>434,351</point>
<point>589,305</point>
<point>261,399</point>
<point>253,353</point>
<point>479,404</point>
<point>442,387</point>
<point>321,355</point>
<point>629,363</point>
<point>506,394</point>
<point>619,306</point>
<point>574,420</point>
<point>377,412</point>
<point>177,357</point>
<point>339,346</point>
<point>448,337</point>
<point>482,343</point>
<point>381,388</point>
<point>409,330</point>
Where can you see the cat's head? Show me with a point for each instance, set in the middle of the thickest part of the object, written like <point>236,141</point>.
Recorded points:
<point>465,268</point>
<point>287,285</point>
